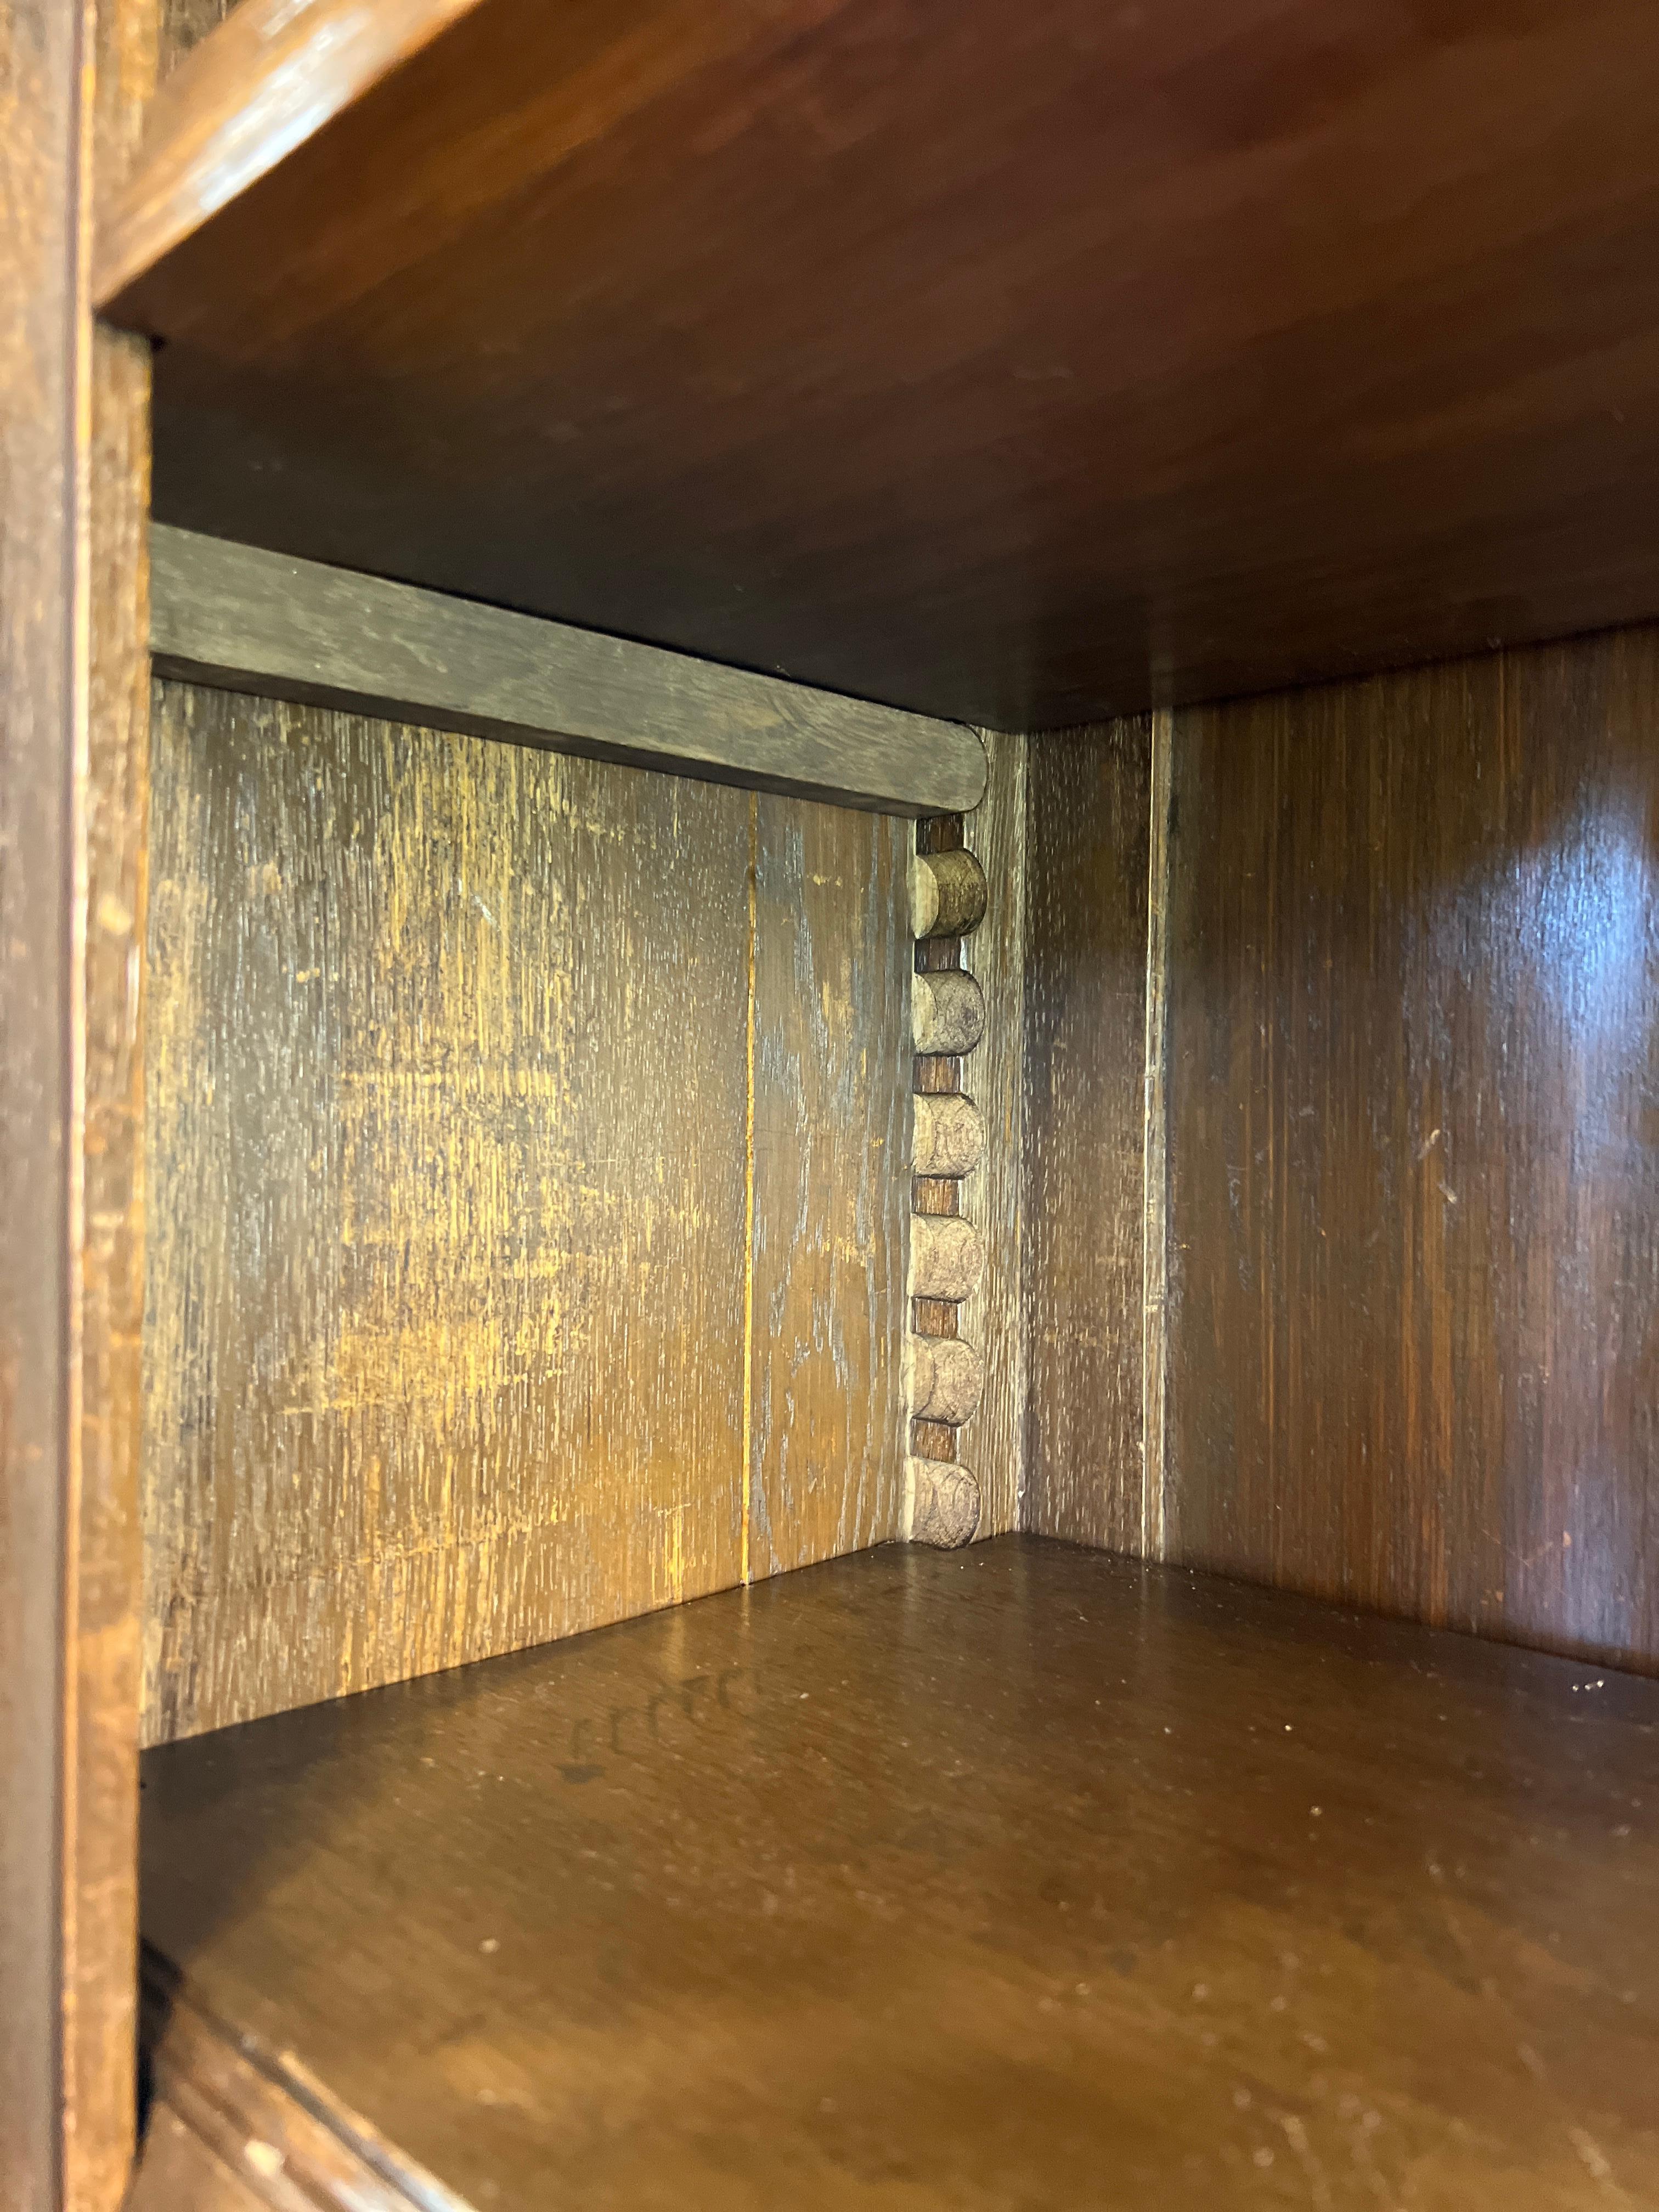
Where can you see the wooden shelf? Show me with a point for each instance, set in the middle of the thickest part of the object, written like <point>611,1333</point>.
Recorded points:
<point>1019,1876</point>
<point>1012,364</point>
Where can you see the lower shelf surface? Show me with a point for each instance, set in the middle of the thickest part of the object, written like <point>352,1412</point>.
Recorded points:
<point>1019,1877</point>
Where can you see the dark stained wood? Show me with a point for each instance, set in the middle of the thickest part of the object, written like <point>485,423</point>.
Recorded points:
<point>73,464</point>
<point>1414,1064</point>
<point>1019,1876</point>
<point>1086,862</point>
<point>528,1183</point>
<point>1021,366</point>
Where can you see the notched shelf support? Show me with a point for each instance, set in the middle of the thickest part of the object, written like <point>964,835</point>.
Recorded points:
<point>240,619</point>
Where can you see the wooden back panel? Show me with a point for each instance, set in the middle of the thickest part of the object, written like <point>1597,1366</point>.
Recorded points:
<point>1414,1099</point>
<point>527,1188</point>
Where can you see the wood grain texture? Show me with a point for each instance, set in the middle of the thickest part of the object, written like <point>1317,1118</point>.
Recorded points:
<point>1023,367</point>
<point>831,1181</point>
<point>38,160</point>
<point>102,1677</point>
<point>74,466</point>
<point>993,1443</point>
<point>246,621</point>
<point>456,1251</point>
<point>233,2127</point>
<point>1021,1875</point>
<point>1414,1071</point>
<point>1086,861</point>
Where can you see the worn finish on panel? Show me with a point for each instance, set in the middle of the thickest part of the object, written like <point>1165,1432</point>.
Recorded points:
<point>446,1088</point>
<point>529,1173</point>
<point>831,1181</point>
<point>1413,946</point>
<point>993,1444</point>
<point>1085,1003</point>
<point>1019,1876</point>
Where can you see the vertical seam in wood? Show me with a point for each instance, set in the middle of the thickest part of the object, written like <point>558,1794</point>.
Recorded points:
<point>1154,1224</point>
<point>748,1189</point>
<point>78,767</point>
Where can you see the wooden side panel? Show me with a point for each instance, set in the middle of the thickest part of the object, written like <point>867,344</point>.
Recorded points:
<point>1414,1105</point>
<point>831,1187</point>
<point>445,1307</point>
<point>528,1197</point>
<point>73,484</point>
<point>993,1442</point>
<point>37,160</point>
<point>1087,859</point>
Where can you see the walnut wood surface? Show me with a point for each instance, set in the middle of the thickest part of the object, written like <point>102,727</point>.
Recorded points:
<point>1087,904</point>
<point>1019,366</point>
<point>1414,1058</point>
<point>528,1179</point>
<point>1019,1875</point>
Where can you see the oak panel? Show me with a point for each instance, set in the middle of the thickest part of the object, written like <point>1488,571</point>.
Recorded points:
<point>1087,863</point>
<point>1413,1252</point>
<point>527,1192</point>
<point>446,1188</point>
<point>831,1181</point>
<point>992,1443</point>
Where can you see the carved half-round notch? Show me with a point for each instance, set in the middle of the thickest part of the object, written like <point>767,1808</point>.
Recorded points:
<point>947,1011</point>
<point>947,1257</point>
<point>949,1136</point>
<point>941,1504</point>
<point>947,894</point>
<point>943,1379</point>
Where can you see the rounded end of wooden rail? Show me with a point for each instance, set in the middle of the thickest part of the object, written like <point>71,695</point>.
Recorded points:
<point>941,1504</point>
<point>947,1012</point>
<point>948,1137</point>
<point>948,894</point>
<point>944,1378</point>
<point>947,1257</point>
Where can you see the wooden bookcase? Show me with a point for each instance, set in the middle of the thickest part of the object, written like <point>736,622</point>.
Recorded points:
<point>848,812</point>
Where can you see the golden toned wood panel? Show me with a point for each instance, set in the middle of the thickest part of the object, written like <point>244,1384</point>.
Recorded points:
<point>1087,857</point>
<point>1022,365</point>
<point>831,1181</point>
<point>992,1443</point>
<point>506,1277</point>
<point>1413,959</point>
<point>447,1094</point>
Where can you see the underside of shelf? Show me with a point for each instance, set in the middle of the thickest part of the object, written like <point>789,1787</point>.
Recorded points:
<point>1015,365</point>
<point>1023,1876</point>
